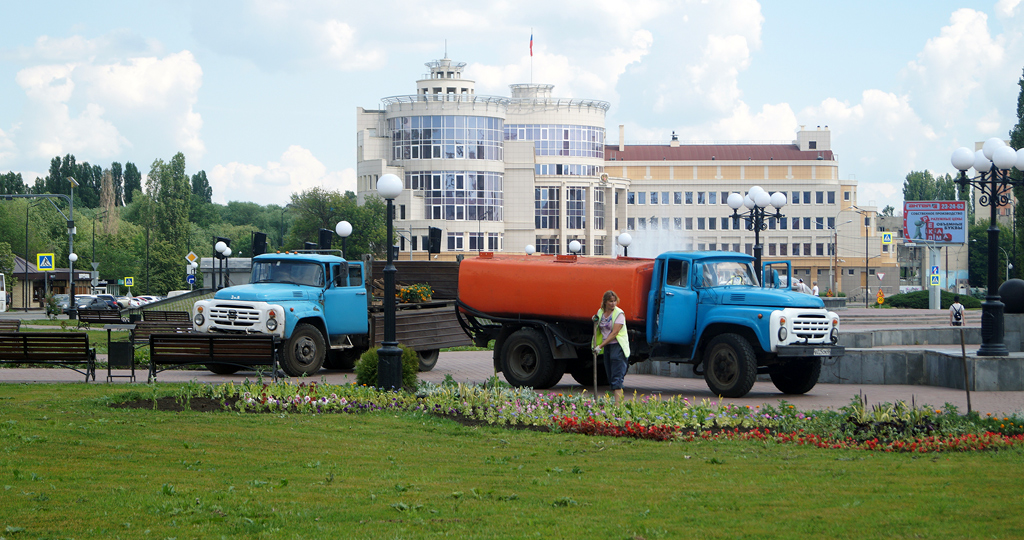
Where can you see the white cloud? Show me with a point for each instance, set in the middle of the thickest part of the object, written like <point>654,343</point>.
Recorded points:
<point>7,148</point>
<point>96,110</point>
<point>298,170</point>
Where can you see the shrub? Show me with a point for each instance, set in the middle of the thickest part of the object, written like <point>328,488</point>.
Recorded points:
<point>919,300</point>
<point>420,292</point>
<point>366,367</point>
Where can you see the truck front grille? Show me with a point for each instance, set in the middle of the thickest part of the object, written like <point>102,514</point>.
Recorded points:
<point>234,315</point>
<point>811,327</point>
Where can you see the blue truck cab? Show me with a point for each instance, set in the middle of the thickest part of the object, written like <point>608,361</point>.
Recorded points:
<point>711,310</point>
<point>315,304</point>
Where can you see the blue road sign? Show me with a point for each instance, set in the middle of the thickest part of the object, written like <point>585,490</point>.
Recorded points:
<point>44,261</point>
<point>935,279</point>
<point>935,270</point>
<point>190,279</point>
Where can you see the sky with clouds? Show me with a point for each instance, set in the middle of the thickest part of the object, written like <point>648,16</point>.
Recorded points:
<point>262,94</point>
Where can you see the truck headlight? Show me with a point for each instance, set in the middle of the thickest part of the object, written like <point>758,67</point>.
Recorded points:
<point>783,333</point>
<point>271,324</point>
<point>199,319</point>
<point>834,336</point>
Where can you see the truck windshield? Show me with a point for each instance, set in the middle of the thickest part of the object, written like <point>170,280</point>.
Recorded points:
<point>726,273</point>
<point>295,272</point>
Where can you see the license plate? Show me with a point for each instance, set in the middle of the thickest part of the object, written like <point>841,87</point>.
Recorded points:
<point>822,352</point>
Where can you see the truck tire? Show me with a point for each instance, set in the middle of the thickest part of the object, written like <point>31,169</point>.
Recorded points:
<point>730,366</point>
<point>797,376</point>
<point>526,360</point>
<point>428,359</point>
<point>582,370</point>
<point>222,369</point>
<point>304,352</point>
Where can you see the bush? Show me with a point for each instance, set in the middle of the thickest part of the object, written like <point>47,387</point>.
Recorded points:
<point>366,367</point>
<point>919,300</point>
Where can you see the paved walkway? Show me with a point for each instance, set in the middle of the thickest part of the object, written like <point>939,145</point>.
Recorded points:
<point>475,367</point>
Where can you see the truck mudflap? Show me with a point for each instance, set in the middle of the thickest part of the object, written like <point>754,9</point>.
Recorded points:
<point>821,350</point>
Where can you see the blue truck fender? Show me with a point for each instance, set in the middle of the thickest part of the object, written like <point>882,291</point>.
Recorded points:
<point>747,319</point>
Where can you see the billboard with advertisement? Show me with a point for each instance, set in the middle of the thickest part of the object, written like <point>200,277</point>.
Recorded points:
<point>943,222</point>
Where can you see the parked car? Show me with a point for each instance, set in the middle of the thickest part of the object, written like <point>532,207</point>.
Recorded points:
<point>135,302</point>
<point>62,303</point>
<point>149,299</point>
<point>93,302</point>
<point>124,302</point>
<point>110,300</point>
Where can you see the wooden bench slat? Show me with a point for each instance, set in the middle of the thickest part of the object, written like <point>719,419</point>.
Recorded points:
<point>179,349</point>
<point>59,349</point>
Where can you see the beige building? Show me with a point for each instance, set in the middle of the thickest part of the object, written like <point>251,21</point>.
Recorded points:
<point>502,173</point>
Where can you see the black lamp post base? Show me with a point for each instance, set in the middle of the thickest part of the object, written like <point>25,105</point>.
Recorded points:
<point>992,328</point>
<point>389,367</point>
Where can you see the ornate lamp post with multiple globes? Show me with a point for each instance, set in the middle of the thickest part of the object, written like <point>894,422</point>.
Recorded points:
<point>992,164</point>
<point>389,356</point>
<point>756,201</point>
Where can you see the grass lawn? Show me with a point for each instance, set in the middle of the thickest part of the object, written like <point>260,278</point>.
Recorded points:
<point>72,467</point>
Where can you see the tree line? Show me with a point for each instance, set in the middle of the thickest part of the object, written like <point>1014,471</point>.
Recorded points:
<point>143,227</point>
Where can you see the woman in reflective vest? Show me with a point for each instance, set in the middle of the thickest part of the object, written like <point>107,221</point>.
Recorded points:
<point>611,338</point>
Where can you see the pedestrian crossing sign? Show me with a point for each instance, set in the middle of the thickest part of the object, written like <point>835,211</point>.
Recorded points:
<point>129,282</point>
<point>935,279</point>
<point>44,261</point>
<point>886,238</point>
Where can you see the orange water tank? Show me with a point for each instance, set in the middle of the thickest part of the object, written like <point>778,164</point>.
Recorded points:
<point>549,287</point>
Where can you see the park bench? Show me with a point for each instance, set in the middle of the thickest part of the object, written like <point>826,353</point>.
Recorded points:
<point>98,316</point>
<point>143,329</point>
<point>64,349</point>
<point>10,325</point>
<point>160,316</point>
<point>168,351</point>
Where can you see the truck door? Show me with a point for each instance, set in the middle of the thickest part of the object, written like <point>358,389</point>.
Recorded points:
<point>677,317</point>
<point>345,300</point>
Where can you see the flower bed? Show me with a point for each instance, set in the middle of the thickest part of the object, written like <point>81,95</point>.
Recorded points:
<point>898,427</point>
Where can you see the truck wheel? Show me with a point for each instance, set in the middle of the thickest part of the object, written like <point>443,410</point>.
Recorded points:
<point>582,370</point>
<point>222,369</point>
<point>304,353</point>
<point>797,376</point>
<point>428,359</point>
<point>730,366</point>
<point>526,360</point>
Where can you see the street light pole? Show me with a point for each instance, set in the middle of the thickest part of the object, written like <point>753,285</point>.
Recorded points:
<point>992,164</point>
<point>389,356</point>
<point>72,306</point>
<point>756,201</point>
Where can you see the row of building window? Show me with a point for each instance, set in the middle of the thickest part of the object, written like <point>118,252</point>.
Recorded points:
<point>771,250</point>
<point>559,139</point>
<point>715,197</point>
<point>727,223</point>
<point>459,195</point>
<point>557,169</point>
<point>446,137</point>
<point>549,246</point>
<point>546,208</point>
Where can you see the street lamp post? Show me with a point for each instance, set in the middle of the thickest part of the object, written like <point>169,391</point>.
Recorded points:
<point>389,363</point>
<point>344,229</point>
<point>1009,265</point>
<point>992,164</point>
<point>756,201</point>
<point>624,240</point>
<point>72,306</point>
<point>835,255</point>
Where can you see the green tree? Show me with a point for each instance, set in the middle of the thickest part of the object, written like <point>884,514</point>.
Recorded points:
<point>117,177</point>
<point>977,266</point>
<point>888,210</point>
<point>201,187</point>
<point>318,208</point>
<point>132,181</point>
<point>919,186</point>
<point>12,183</point>
<point>1017,142</point>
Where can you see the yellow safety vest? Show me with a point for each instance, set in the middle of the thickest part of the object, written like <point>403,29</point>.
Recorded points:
<point>622,338</point>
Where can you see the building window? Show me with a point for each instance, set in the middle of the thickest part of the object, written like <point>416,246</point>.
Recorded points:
<point>465,137</point>
<point>819,223</point>
<point>630,198</point>
<point>807,197</point>
<point>664,197</point>
<point>476,241</point>
<point>678,222</point>
<point>846,195</point>
<point>796,223</point>
<point>820,249</point>
<point>712,247</point>
<point>831,197</point>
<point>807,249</point>
<point>807,223</point>
<point>783,248</point>
<point>548,246</point>
<point>725,224</point>
<point>455,242</point>
<point>677,197</point>
<point>700,224</point>
<point>812,145</point>
<point>641,197</point>
<point>712,197</point>
<point>701,247</point>
<point>748,249</point>
<point>885,248</point>
<point>630,224</point>
<point>560,139</point>
<point>689,197</point>
<point>545,201</point>
<point>711,223</point>
<point>771,250</point>
<point>819,197</point>
<point>575,207</point>
<point>689,223</point>
<point>771,224</point>
<point>725,197</point>
<point>831,223</point>
<point>796,197</point>
<point>641,224</point>
<point>796,250</point>
<point>654,223</point>
<point>654,197</point>
<point>598,209</point>
<point>493,241</point>
<point>700,197</point>
<point>782,223</point>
